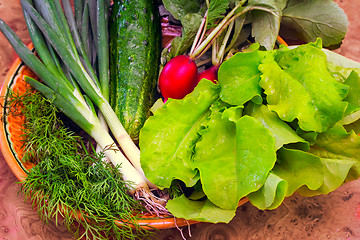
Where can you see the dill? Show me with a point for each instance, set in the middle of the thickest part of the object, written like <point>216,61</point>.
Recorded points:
<point>71,184</point>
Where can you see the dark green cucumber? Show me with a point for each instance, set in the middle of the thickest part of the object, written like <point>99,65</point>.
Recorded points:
<point>135,48</point>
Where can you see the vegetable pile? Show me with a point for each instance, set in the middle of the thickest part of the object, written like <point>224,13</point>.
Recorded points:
<point>272,126</point>
<point>72,61</point>
<point>238,114</point>
<point>227,26</point>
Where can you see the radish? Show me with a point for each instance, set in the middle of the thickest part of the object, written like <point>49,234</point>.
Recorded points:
<point>209,74</point>
<point>178,77</point>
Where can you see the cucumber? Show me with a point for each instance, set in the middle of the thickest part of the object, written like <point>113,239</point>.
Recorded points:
<point>135,49</point>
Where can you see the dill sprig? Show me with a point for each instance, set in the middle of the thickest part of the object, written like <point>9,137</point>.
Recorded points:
<point>71,184</point>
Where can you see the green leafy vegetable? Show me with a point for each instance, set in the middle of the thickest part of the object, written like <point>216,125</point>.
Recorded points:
<point>217,9</point>
<point>266,23</point>
<point>299,168</point>
<point>306,20</point>
<point>338,143</point>
<point>271,127</point>
<point>298,85</point>
<point>176,135</point>
<point>203,210</point>
<point>238,161</point>
<point>72,180</point>
<point>180,8</point>
<point>240,82</point>
<point>180,44</point>
<point>312,19</point>
<point>271,194</point>
<point>188,12</point>
<point>282,132</point>
<point>352,97</point>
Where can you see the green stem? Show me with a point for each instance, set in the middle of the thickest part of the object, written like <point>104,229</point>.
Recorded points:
<point>55,82</point>
<point>102,45</point>
<point>199,33</point>
<point>79,8</point>
<point>78,43</point>
<point>214,52</point>
<point>70,58</point>
<point>85,30</point>
<point>39,43</point>
<point>221,52</point>
<point>251,8</point>
<point>205,45</point>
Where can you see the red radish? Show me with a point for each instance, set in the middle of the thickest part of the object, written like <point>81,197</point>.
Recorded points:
<point>209,74</point>
<point>178,77</point>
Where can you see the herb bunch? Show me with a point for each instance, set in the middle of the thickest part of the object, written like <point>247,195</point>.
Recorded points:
<point>71,179</point>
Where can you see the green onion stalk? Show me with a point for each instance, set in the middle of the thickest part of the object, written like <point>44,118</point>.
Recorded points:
<point>69,80</point>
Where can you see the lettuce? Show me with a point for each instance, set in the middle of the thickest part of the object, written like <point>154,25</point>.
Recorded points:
<point>281,131</point>
<point>235,161</point>
<point>167,143</point>
<point>277,123</point>
<point>240,82</point>
<point>203,210</point>
<point>298,85</point>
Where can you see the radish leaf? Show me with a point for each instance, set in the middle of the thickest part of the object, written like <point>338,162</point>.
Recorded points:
<point>180,8</point>
<point>216,10</point>
<point>312,19</point>
<point>180,44</point>
<point>266,21</point>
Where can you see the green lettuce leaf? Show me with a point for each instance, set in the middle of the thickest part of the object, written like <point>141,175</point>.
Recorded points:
<point>282,132</point>
<point>340,66</point>
<point>239,78</point>
<point>310,137</point>
<point>274,125</point>
<point>235,161</point>
<point>305,173</point>
<point>204,211</point>
<point>347,71</point>
<point>271,194</point>
<point>168,137</point>
<point>337,143</point>
<point>299,86</point>
<point>354,126</point>
<point>336,59</point>
<point>352,112</point>
<point>335,172</point>
<point>299,168</point>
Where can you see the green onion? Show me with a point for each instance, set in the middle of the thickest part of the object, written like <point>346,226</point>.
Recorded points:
<point>69,177</point>
<point>102,40</point>
<point>64,91</point>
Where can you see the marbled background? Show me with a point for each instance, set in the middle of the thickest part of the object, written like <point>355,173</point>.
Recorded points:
<point>333,216</point>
